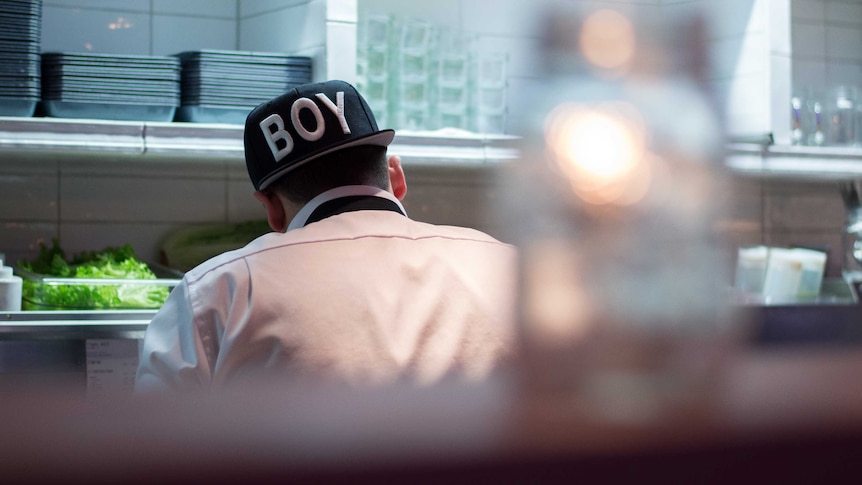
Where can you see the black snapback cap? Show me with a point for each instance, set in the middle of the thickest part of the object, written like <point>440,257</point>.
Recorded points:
<point>305,123</point>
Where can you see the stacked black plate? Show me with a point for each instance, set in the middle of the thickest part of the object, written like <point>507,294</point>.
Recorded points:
<point>110,87</point>
<point>20,40</point>
<point>224,86</point>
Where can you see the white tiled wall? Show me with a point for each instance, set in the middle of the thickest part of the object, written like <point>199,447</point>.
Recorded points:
<point>750,57</point>
<point>316,28</point>
<point>295,26</point>
<point>144,27</point>
<point>827,44</point>
<point>90,205</point>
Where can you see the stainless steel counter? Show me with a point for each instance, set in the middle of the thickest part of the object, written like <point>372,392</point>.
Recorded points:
<point>74,325</point>
<point>69,139</point>
<point>93,353</point>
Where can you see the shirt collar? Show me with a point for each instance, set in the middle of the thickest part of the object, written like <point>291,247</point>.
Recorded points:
<point>302,216</point>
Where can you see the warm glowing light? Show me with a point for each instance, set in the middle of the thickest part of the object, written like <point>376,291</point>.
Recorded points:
<point>556,305</point>
<point>607,39</point>
<point>601,150</point>
<point>600,145</point>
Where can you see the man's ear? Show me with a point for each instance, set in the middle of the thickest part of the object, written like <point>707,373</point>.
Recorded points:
<point>275,214</point>
<point>396,177</point>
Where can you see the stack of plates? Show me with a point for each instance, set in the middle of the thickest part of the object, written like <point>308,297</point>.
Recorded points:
<point>224,86</point>
<point>20,35</point>
<point>110,87</point>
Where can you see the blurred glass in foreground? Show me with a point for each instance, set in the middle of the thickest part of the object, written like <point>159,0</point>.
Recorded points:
<point>615,205</point>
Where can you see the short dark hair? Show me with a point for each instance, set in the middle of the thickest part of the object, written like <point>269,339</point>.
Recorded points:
<point>359,165</point>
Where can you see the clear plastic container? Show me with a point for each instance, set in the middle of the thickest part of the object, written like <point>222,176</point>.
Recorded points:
<point>783,275</point>
<point>813,268</point>
<point>751,269</point>
<point>623,305</point>
<point>42,292</point>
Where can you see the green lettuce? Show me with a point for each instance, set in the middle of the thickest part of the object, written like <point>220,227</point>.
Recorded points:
<point>111,262</point>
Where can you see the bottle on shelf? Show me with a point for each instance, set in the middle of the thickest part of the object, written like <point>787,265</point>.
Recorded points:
<point>10,288</point>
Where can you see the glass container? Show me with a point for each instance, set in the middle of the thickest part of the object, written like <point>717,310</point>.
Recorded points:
<point>615,205</point>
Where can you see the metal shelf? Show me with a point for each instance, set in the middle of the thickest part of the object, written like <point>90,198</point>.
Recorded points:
<point>216,143</point>
<point>53,138</point>
<point>74,325</point>
<point>795,162</point>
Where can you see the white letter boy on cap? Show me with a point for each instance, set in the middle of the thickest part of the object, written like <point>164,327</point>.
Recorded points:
<point>298,126</point>
<point>280,133</point>
<point>272,136</point>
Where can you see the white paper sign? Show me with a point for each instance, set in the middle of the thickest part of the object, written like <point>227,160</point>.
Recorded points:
<point>111,366</point>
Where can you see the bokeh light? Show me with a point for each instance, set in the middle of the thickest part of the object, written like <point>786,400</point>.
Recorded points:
<point>601,150</point>
<point>607,39</point>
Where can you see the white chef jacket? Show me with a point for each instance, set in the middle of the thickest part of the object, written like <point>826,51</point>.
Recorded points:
<point>360,297</point>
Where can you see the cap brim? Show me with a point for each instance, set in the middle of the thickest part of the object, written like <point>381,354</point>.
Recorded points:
<point>381,138</point>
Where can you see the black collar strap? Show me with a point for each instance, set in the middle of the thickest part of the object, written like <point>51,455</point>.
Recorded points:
<point>352,203</point>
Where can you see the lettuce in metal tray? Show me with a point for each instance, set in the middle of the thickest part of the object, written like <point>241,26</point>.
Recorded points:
<point>111,278</point>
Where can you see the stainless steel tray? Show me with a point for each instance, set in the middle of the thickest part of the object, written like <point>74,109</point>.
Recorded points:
<point>74,324</point>
<point>834,318</point>
<point>35,284</point>
<point>833,291</point>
